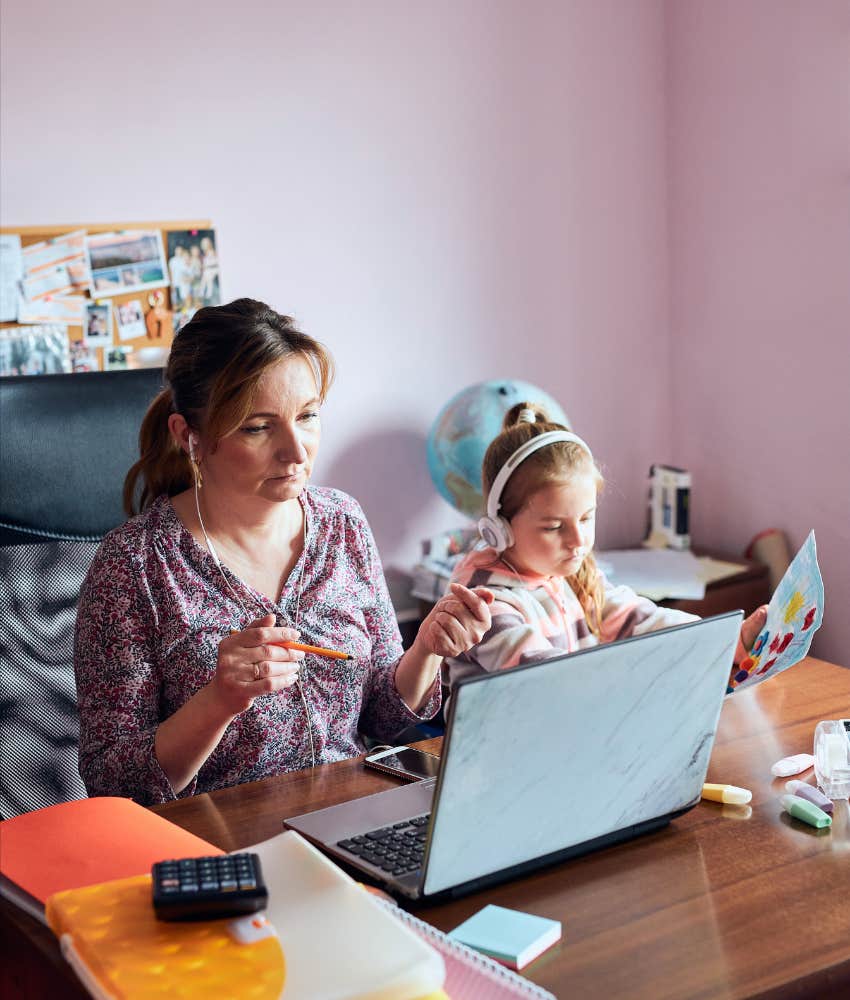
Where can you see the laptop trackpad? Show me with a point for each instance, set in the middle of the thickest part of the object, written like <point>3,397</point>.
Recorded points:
<point>348,819</point>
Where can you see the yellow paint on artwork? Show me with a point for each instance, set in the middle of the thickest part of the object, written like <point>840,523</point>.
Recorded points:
<point>794,606</point>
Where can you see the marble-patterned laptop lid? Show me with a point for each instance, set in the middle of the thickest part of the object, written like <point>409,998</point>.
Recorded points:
<point>546,757</point>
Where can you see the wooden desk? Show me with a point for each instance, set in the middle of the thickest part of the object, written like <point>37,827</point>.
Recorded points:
<point>721,903</point>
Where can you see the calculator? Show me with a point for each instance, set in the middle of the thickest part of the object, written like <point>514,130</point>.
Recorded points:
<point>225,885</point>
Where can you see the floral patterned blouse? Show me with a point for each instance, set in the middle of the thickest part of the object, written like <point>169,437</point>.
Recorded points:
<point>152,611</point>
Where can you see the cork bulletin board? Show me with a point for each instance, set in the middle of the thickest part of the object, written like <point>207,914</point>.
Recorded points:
<point>101,297</point>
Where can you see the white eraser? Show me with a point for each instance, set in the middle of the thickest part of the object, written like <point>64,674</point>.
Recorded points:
<point>792,765</point>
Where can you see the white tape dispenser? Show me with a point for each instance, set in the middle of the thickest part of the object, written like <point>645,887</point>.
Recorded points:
<point>832,757</point>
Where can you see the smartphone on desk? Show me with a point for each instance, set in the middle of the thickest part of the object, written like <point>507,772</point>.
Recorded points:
<point>405,762</point>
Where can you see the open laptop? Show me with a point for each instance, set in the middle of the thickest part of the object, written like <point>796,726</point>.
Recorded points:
<point>544,762</point>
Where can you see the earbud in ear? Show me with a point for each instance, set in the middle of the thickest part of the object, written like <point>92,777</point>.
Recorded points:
<point>192,442</point>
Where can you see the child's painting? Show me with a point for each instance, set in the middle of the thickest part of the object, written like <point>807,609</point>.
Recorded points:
<point>793,616</point>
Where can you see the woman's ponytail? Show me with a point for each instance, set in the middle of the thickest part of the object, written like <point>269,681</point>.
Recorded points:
<point>162,466</point>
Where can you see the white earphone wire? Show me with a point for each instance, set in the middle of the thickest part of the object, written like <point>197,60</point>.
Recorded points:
<point>247,618</point>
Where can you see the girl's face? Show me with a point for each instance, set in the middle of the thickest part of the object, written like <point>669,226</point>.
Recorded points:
<point>270,455</point>
<point>556,527</point>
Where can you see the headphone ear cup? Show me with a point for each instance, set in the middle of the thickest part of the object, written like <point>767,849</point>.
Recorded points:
<point>496,532</point>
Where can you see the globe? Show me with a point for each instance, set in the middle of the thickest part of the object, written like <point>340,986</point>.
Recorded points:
<point>465,427</point>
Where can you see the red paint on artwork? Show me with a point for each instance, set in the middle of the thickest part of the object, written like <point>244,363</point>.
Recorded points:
<point>810,617</point>
<point>784,644</point>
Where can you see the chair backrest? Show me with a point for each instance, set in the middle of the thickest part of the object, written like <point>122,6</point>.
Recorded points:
<point>66,443</point>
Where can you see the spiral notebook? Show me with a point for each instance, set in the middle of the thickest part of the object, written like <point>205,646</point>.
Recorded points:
<point>469,974</point>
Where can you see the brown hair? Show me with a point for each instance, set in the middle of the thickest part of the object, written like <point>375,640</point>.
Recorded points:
<point>554,463</point>
<point>215,364</point>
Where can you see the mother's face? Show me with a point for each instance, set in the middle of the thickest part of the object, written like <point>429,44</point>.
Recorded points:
<point>271,453</point>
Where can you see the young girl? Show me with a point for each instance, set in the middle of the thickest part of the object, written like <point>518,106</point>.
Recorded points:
<point>550,597</point>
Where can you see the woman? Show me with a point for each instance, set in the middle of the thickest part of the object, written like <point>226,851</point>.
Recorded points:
<point>183,685</point>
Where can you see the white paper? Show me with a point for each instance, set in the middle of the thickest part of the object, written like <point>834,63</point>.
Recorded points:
<point>655,573</point>
<point>11,271</point>
<point>318,910</point>
<point>67,249</point>
<point>65,309</point>
<point>54,281</point>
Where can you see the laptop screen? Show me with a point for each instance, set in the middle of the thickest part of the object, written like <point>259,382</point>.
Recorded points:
<point>538,759</point>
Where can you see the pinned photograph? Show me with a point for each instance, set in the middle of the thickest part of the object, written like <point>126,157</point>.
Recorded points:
<point>97,325</point>
<point>116,359</point>
<point>34,350</point>
<point>131,320</point>
<point>83,357</point>
<point>193,266</point>
<point>126,262</point>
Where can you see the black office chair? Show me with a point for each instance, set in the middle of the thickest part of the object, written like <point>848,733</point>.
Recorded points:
<point>66,443</point>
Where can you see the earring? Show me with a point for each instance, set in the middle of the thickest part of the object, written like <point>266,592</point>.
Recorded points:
<point>196,469</point>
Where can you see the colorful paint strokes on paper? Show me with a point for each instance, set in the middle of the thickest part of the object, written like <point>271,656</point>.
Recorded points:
<point>794,615</point>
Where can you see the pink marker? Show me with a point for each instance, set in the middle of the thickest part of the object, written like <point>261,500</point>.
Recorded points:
<point>792,765</point>
<point>807,791</point>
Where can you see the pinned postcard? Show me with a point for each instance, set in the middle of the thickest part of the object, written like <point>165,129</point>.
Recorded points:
<point>68,251</point>
<point>83,357</point>
<point>131,320</point>
<point>794,615</point>
<point>97,328</point>
<point>54,281</point>
<point>126,262</point>
<point>34,350</point>
<point>11,272</point>
<point>65,309</point>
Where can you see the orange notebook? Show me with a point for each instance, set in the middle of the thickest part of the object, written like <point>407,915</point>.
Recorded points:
<point>84,842</point>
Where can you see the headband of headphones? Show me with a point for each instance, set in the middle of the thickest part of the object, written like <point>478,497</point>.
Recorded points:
<point>520,455</point>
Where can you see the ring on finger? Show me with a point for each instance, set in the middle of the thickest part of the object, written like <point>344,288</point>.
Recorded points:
<point>256,671</point>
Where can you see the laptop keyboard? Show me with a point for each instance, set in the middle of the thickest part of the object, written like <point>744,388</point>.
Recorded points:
<point>396,849</point>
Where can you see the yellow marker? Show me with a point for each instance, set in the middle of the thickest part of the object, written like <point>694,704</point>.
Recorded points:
<point>794,606</point>
<point>730,794</point>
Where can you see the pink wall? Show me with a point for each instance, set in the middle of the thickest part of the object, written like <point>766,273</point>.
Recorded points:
<point>443,192</point>
<point>759,166</point>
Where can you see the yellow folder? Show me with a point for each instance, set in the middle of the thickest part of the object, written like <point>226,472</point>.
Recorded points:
<point>110,936</point>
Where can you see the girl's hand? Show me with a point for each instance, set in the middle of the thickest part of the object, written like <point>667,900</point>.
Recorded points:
<point>456,622</point>
<point>750,629</point>
<point>250,664</point>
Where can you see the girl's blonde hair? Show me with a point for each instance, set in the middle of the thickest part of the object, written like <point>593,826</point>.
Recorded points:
<point>215,364</point>
<point>553,463</point>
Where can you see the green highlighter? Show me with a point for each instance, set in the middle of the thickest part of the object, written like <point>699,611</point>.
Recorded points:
<point>808,812</point>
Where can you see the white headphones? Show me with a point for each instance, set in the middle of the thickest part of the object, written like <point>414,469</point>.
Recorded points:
<point>495,529</point>
<point>192,442</point>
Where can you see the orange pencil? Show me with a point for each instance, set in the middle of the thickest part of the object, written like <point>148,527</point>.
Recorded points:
<point>333,654</point>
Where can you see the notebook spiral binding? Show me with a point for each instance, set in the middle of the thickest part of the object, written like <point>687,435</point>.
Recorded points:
<point>470,975</point>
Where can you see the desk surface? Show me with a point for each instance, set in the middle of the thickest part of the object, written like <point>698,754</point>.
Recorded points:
<point>718,904</point>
